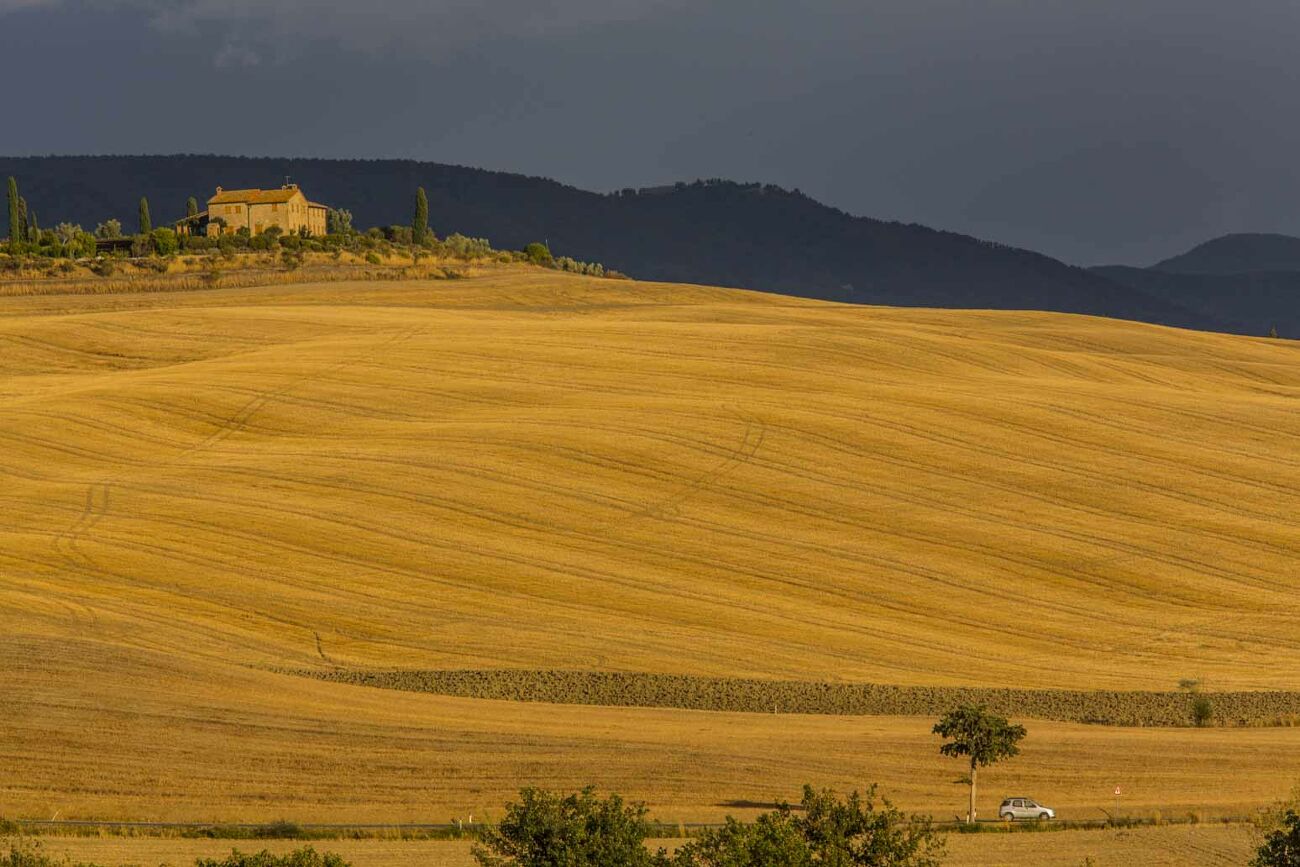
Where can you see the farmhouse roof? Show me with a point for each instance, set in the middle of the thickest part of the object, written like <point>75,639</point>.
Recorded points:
<point>254,197</point>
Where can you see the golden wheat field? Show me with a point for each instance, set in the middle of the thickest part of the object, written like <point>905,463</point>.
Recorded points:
<point>126,735</point>
<point>1204,846</point>
<point>526,470</point>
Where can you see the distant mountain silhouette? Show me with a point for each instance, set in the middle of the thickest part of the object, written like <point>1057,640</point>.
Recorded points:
<point>1244,303</point>
<point>1249,283</point>
<point>1237,254</point>
<point>746,235</point>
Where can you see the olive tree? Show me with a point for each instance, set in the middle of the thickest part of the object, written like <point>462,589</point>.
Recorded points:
<point>979,736</point>
<point>338,221</point>
<point>109,229</point>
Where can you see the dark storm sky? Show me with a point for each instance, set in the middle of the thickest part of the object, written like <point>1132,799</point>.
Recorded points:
<point>1094,130</point>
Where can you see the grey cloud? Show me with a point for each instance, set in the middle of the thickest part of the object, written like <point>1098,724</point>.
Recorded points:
<point>235,53</point>
<point>378,24</point>
<point>1090,129</point>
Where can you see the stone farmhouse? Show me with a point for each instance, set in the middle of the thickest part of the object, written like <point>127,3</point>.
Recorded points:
<point>257,210</point>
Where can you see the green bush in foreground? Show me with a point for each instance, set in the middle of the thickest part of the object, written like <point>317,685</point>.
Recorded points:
<point>304,857</point>
<point>28,853</point>
<point>1281,848</point>
<point>546,829</point>
<point>773,840</point>
<point>854,832</point>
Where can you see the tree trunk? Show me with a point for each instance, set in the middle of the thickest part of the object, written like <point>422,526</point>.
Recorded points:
<point>970,813</point>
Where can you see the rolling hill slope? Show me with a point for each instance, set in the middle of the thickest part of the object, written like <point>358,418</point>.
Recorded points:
<point>652,477</point>
<point>527,470</point>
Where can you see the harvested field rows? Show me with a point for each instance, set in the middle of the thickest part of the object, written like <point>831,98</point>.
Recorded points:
<point>198,742</point>
<point>526,470</point>
<point>784,696</point>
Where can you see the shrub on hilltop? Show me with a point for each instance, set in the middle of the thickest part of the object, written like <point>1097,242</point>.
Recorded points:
<point>539,254</point>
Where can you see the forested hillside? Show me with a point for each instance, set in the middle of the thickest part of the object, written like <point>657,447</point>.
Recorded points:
<point>752,236</point>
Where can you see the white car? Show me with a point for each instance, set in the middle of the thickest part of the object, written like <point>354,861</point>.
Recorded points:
<point>1024,808</point>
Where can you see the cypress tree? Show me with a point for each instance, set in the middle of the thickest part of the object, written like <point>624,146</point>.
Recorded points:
<point>15,227</point>
<point>192,208</point>
<point>33,230</point>
<point>22,219</point>
<point>420,224</point>
<point>146,225</point>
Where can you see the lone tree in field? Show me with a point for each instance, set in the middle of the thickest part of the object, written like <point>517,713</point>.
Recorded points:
<point>15,226</point>
<point>984,738</point>
<point>191,208</point>
<point>146,224</point>
<point>420,222</point>
<point>1281,848</point>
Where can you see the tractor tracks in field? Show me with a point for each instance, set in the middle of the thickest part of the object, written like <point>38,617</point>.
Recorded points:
<point>751,441</point>
<point>97,504</point>
<point>99,494</point>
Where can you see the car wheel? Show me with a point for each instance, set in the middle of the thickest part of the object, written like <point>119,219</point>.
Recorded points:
<point>1043,817</point>
<point>1007,817</point>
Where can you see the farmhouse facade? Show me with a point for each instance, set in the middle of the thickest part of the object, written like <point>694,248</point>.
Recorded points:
<point>258,210</point>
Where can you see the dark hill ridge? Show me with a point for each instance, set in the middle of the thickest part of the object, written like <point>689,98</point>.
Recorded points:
<point>752,236</point>
<point>1250,283</point>
<point>1237,254</point>
<point>1257,301</point>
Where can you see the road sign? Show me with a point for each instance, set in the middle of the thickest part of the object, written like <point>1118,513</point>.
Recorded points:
<point>1117,791</point>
